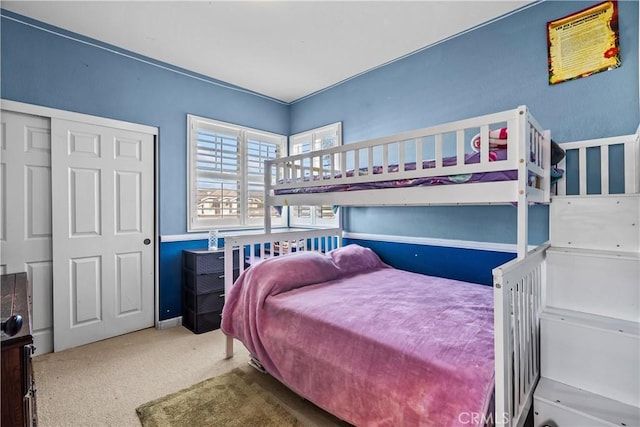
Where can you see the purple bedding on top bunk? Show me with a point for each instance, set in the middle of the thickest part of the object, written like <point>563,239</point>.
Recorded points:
<point>373,345</point>
<point>496,155</point>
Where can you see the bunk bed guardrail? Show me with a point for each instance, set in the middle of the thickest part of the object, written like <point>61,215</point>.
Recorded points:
<point>421,153</point>
<point>519,297</point>
<point>631,163</point>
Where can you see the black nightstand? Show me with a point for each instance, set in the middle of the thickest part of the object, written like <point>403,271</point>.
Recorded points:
<point>203,288</point>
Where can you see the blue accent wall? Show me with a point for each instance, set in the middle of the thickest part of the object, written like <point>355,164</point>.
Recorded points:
<point>496,224</point>
<point>48,66</point>
<point>171,276</point>
<point>469,265</point>
<point>491,68</point>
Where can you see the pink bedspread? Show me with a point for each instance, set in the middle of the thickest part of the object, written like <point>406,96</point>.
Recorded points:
<point>373,345</point>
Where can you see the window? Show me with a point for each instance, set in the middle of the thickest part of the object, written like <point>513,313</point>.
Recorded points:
<point>312,140</point>
<point>226,174</point>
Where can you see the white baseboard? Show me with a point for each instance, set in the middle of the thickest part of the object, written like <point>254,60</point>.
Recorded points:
<point>169,323</point>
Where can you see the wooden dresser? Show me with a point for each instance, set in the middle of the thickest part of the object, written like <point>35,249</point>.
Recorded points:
<point>18,390</point>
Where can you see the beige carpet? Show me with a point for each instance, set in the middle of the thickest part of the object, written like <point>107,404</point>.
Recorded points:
<point>101,384</point>
<point>232,399</point>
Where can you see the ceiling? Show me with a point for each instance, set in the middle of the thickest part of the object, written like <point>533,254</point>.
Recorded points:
<point>285,50</point>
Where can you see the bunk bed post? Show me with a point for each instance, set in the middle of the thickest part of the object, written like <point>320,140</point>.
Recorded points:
<point>503,351</point>
<point>632,165</point>
<point>523,232</point>
<point>561,185</point>
<point>267,194</point>
<point>547,165</point>
<point>228,283</point>
<point>524,143</point>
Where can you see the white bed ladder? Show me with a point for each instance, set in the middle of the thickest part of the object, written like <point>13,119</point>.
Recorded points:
<point>590,328</point>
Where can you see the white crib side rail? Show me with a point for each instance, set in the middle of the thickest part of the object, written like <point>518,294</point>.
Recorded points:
<point>631,164</point>
<point>255,247</point>
<point>519,296</point>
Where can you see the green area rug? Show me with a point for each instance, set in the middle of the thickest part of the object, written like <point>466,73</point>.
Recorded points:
<point>231,399</point>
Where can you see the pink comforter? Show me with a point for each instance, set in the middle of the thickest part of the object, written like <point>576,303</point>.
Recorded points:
<point>373,345</point>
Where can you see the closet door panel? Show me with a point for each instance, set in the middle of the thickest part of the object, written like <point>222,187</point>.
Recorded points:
<point>25,223</point>
<point>103,222</point>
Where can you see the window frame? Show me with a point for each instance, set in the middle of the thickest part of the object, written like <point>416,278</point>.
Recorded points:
<point>243,135</point>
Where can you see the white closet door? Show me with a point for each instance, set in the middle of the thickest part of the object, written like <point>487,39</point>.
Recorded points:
<point>25,222</point>
<point>103,232</point>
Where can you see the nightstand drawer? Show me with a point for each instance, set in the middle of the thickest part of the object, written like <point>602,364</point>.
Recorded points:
<point>212,301</point>
<point>201,322</point>
<point>203,283</point>
<point>206,262</point>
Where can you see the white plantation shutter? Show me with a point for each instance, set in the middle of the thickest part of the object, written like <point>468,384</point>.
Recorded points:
<point>313,140</point>
<point>226,174</point>
<point>217,173</point>
<point>260,147</point>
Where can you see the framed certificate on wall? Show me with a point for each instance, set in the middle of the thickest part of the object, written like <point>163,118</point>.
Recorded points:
<point>583,43</point>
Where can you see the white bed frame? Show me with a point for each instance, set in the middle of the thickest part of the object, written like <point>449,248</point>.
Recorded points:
<point>518,285</point>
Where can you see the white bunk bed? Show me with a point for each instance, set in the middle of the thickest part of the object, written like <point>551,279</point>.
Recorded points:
<point>527,155</point>
<point>518,285</point>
